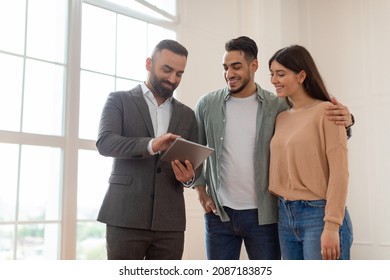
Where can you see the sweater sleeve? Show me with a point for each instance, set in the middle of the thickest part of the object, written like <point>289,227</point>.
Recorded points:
<point>337,158</point>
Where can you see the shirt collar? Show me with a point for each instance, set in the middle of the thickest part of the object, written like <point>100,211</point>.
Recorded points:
<point>147,93</point>
<point>259,93</point>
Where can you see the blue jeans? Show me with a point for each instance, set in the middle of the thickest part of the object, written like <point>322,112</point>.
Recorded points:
<point>300,226</point>
<point>224,239</point>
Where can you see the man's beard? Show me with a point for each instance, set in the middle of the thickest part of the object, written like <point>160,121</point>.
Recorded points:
<point>245,82</point>
<point>159,89</point>
<point>237,90</point>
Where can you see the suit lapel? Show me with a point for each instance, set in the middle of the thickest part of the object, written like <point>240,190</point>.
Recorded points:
<point>177,111</point>
<point>143,108</point>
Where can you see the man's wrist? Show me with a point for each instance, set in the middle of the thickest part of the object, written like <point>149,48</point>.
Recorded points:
<point>150,148</point>
<point>349,129</point>
<point>353,121</point>
<point>189,183</point>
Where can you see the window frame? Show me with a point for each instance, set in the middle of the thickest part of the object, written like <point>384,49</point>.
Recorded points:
<point>69,142</point>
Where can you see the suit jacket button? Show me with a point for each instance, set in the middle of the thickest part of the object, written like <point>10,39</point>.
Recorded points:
<point>158,170</point>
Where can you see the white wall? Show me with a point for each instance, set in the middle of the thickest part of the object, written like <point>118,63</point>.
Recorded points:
<point>350,41</point>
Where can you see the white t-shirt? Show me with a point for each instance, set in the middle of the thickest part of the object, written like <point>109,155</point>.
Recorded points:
<point>237,161</point>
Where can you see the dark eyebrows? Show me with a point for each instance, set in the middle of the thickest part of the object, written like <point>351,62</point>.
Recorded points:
<point>166,66</point>
<point>277,71</point>
<point>232,64</point>
<point>170,69</point>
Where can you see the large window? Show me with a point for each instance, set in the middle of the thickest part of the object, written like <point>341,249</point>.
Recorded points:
<point>58,62</point>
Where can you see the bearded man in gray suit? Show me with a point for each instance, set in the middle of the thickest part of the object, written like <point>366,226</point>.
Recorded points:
<point>144,205</point>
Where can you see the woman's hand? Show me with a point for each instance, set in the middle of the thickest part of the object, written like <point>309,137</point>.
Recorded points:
<point>330,244</point>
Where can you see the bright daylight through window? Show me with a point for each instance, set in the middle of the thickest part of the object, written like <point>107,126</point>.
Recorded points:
<point>58,62</point>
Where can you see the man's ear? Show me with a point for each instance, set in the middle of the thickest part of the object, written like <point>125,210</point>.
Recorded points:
<point>254,65</point>
<point>149,64</point>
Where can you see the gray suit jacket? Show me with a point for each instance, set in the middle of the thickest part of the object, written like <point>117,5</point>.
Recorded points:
<point>143,192</point>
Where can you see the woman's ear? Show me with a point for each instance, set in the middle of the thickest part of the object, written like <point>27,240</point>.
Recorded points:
<point>302,76</point>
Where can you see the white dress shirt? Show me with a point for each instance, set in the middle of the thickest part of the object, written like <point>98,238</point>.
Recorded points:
<point>160,114</point>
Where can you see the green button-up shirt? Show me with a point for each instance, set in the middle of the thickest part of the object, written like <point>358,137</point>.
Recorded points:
<point>210,113</point>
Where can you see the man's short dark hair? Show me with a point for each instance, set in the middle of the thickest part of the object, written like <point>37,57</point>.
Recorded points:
<point>171,45</point>
<point>244,44</point>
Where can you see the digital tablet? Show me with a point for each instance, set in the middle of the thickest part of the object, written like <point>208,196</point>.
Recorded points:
<point>183,149</point>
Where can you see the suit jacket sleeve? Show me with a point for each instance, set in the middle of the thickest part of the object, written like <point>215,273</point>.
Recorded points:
<point>122,139</point>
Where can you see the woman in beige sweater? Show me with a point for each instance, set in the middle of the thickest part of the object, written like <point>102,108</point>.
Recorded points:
<point>309,163</point>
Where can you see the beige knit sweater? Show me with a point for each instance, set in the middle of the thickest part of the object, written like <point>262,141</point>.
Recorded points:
<point>309,160</point>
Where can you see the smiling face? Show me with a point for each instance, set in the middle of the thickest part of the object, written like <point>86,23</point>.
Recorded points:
<point>165,72</point>
<point>287,83</point>
<point>238,72</point>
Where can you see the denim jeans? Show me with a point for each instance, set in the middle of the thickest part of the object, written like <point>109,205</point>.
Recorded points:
<point>300,227</point>
<point>224,239</point>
